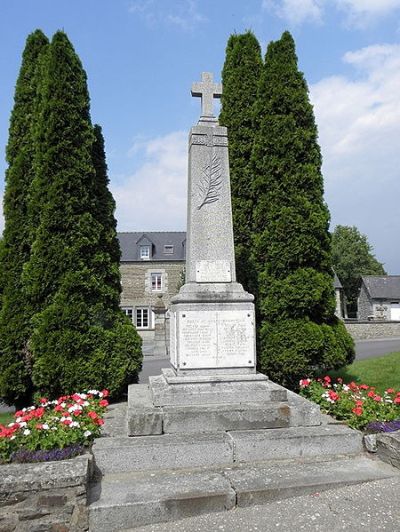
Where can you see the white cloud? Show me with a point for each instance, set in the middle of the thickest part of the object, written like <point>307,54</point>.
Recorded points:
<point>154,196</point>
<point>363,12</point>
<point>184,14</point>
<point>296,11</point>
<point>359,126</point>
<point>359,13</point>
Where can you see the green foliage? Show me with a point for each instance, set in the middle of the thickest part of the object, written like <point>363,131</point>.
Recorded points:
<point>300,332</point>
<point>240,77</point>
<point>357,405</point>
<point>69,331</point>
<point>352,257</point>
<point>15,313</point>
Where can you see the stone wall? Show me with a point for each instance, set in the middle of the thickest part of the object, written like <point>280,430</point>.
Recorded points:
<point>368,330</point>
<point>364,305</point>
<point>45,497</point>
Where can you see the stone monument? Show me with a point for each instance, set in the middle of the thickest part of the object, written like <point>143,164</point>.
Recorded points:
<point>212,317</point>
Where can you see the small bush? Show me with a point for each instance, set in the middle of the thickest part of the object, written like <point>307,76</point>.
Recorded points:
<point>53,430</point>
<point>357,404</point>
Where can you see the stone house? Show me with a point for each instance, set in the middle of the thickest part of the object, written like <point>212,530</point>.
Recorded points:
<point>151,268</point>
<point>341,311</point>
<point>379,298</point>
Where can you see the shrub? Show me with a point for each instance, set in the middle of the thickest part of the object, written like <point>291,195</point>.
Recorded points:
<point>357,404</point>
<point>71,422</point>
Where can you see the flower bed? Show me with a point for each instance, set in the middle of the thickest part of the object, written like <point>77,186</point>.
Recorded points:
<point>53,430</point>
<point>357,404</point>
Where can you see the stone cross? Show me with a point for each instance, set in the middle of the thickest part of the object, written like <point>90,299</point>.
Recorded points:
<point>207,90</point>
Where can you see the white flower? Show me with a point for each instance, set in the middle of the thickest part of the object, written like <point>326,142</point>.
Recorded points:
<point>87,433</point>
<point>74,424</point>
<point>53,428</point>
<point>45,426</point>
<point>10,424</point>
<point>346,388</point>
<point>86,403</point>
<point>12,437</point>
<point>22,424</point>
<point>18,420</point>
<point>27,432</point>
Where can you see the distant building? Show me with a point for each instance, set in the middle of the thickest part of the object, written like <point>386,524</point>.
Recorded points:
<point>152,265</point>
<point>379,298</point>
<point>341,311</point>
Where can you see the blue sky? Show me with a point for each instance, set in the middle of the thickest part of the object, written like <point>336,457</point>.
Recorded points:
<point>141,57</point>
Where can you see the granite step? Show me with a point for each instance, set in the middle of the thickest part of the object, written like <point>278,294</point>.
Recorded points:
<point>177,451</point>
<point>127,500</point>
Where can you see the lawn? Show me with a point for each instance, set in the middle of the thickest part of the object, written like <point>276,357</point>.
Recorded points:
<point>6,418</point>
<point>382,372</point>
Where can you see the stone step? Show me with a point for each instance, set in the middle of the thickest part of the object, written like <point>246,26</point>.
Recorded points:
<point>123,454</point>
<point>128,500</point>
<point>144,419</point>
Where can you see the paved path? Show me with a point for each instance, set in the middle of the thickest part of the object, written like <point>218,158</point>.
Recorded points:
<point>367,507</point>
<point>376,348</point>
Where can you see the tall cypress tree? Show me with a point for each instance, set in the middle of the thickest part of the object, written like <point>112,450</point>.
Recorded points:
<point>15,313</point>
<point>81,338</point>
<point>300,332</point>
<point>240,79</point>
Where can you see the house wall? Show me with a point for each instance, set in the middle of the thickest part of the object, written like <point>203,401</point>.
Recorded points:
<point>373,329</point>
<point>364,304</point>
<point>137,290</point>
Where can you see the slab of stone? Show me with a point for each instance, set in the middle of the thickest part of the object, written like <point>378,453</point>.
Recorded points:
<point>169,451</point>
<point>143,419</point>
<point>172,378</point>
<point>296,442</point>
<point>388,447</point>
<point>214,418</point>
<point>304,413</point>
<point>214,392</point>
<point>125,501</point>
<point>257,484</point>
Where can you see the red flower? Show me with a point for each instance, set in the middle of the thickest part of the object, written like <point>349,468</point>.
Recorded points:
<point>339,380</point>
<point>364,387</point>
<point>397,400</point>
<point>371,394</point>
<point>105,393</point>
<point>39,426</point>
<point>38,412</point>
<point>77,412</point>
<point>103,403</point>
<point>305,382</point>
<point>359,403</point>
<point>18,413</point>
<point>99,421</point>
<point>390,390</point>
<point>58,408</point>
<point>377,398</point>
<point>43,400</point>
<point>92,414</point>
<point>357,411</point>
<point>333,395</point>
<point>67,422</point>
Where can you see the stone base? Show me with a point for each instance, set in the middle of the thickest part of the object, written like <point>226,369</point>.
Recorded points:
<point>175,404</point>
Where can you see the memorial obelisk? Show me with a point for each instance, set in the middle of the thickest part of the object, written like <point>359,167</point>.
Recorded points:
<point>212,317</point>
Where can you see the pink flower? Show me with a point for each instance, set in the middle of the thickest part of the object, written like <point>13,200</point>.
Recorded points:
<point>390,390</point>
<point>377,398</point>
<point>397,400</point>
<point>103,403</point>
<point>357,411</point>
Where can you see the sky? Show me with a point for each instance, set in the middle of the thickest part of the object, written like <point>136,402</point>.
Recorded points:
<point>141,57</point>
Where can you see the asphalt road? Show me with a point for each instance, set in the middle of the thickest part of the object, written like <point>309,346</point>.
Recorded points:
<point>364,349</point>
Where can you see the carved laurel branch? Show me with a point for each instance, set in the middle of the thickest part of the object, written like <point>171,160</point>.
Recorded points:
<point>210,182</point>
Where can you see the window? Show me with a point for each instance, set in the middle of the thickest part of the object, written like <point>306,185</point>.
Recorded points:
<point>128,311</point>
<point>156,281</point>
<point>145,252</point>
<point>142,317</point>
<point>168,250</point>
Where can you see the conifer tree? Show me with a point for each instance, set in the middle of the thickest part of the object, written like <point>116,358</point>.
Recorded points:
<point>300,332</point>
<point>15,313</point>
<point>81,338</point>
<point>240,78</point>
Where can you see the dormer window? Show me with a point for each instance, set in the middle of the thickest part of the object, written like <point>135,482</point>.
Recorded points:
<point>168,250</point>
<point>145,252</point>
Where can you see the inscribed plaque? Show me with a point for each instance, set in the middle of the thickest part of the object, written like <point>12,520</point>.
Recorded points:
<point>213,271</point>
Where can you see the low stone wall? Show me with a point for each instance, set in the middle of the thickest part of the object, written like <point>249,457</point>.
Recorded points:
<point>45,497</point>
<point>388,448</point>
<point>368,330</point>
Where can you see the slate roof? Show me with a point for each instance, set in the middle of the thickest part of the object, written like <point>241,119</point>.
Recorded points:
<point>129,243</point>
<point>382,286</point>
<point>336,282</point>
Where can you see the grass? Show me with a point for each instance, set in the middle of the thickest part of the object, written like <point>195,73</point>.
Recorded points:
<point>382,372</point>
<point>6,418</point>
